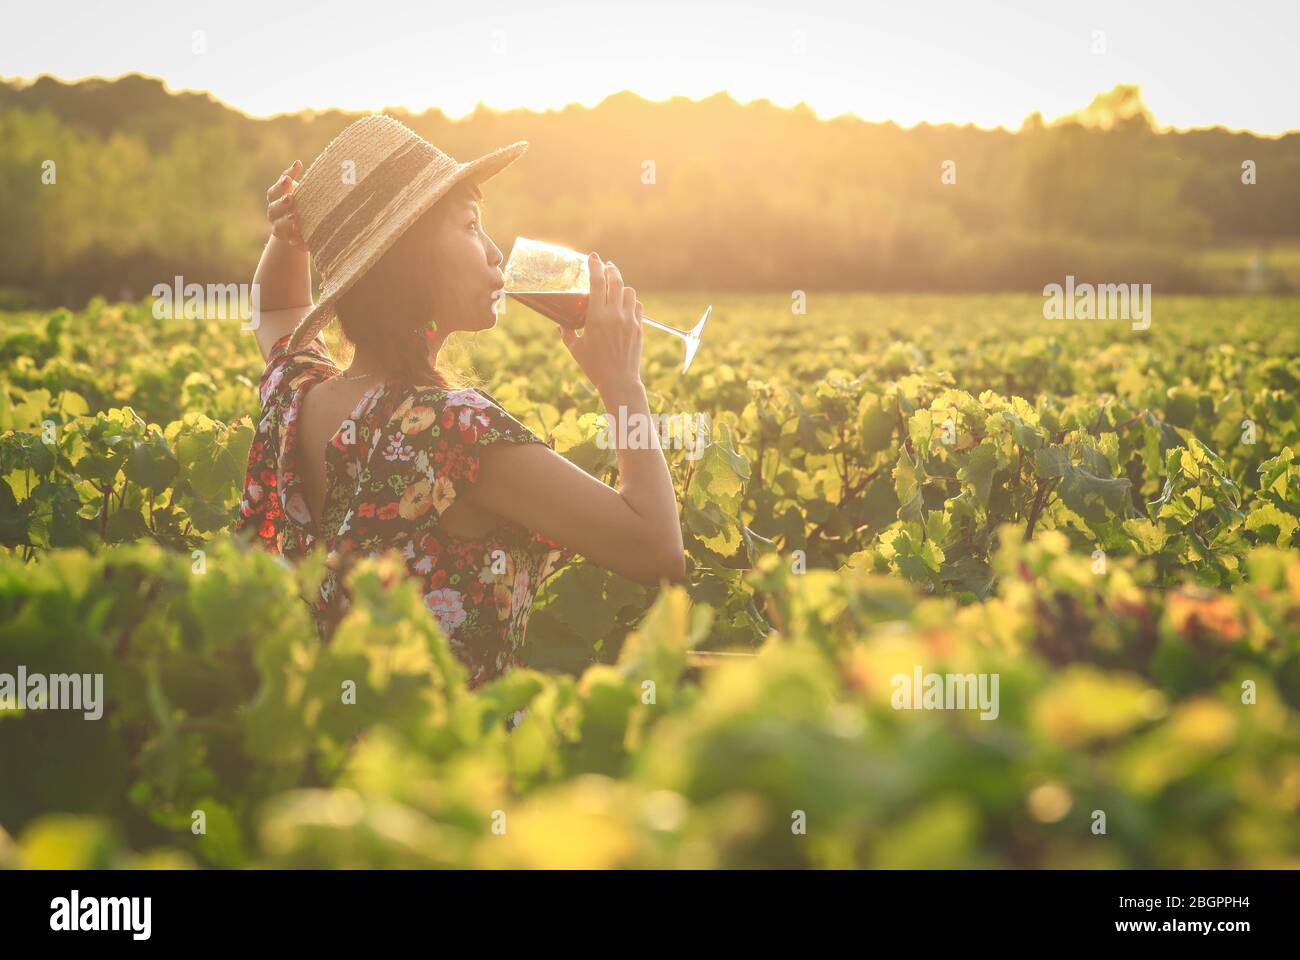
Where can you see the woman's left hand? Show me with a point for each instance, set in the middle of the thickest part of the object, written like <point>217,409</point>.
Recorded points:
<point>279,206</point>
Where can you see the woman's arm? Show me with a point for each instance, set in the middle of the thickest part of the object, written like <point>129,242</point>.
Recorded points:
<point>283,277</point>
<point>635,530</point>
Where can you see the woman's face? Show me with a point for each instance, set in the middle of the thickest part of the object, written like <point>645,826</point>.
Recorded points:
<point>469,268</point>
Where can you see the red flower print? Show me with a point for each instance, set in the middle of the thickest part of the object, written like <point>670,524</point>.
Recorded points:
<point>388,511</point>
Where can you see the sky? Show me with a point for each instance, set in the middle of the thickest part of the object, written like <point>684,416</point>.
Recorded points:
<point>1235,64</point>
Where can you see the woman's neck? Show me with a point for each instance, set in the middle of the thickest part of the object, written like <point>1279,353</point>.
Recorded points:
<point>365,363</point>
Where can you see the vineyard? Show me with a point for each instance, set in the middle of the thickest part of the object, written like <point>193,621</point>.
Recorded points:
<point>1105,520</point>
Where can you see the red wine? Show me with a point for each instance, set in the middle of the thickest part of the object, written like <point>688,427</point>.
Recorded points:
<point>566,309</point>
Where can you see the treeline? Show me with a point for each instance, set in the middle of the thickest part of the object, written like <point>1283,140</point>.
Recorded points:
<point>113,186</point>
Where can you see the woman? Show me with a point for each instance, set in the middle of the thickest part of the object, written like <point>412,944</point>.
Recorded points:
<point>393,451</point>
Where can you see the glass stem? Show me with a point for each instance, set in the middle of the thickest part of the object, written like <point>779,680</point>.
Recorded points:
<point>665,328</point>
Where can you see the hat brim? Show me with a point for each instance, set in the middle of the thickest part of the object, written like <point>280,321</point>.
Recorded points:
<point>475,171</point>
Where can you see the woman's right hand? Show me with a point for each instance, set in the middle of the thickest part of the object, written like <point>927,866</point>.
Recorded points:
<point>279,206</point>
<point>609,347</point>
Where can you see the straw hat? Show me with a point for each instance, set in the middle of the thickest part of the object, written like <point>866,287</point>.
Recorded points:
<point>366,188</point>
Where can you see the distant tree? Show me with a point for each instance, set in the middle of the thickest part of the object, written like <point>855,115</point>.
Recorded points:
<point>151,183</point>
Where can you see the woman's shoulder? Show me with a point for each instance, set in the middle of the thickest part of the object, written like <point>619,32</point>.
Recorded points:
<point>313,349</point>
<point>284,369</point>
<point>472,413</point>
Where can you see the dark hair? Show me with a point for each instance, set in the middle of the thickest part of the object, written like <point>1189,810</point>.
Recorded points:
<point>389,309</point>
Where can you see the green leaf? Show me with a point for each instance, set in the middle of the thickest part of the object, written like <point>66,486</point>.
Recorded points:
<point>1095,499</point>
<point>1052,462</point>
<point>980,468</point>
<point>907,487</point>
<point>711,506</point>
<point>1025,436</point>
<point>937,527</point>
<point>1272,524</point>
<point>875,423</point>
<point>1274,474</point>
<point>73,404</point>
<point>213,456</point>
<point>13,523</point>
<point>152,464</point>
<point>1148,537</point>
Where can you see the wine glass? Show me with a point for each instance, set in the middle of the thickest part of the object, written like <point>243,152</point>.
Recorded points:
<point>554,281</point>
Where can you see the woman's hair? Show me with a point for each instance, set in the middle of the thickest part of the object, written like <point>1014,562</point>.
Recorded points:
<point>389,309</point>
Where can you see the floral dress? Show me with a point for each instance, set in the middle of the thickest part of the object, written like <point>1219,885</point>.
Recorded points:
<point>391,470</point>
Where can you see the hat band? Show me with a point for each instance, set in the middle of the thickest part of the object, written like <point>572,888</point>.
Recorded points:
<point>366,202</point>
